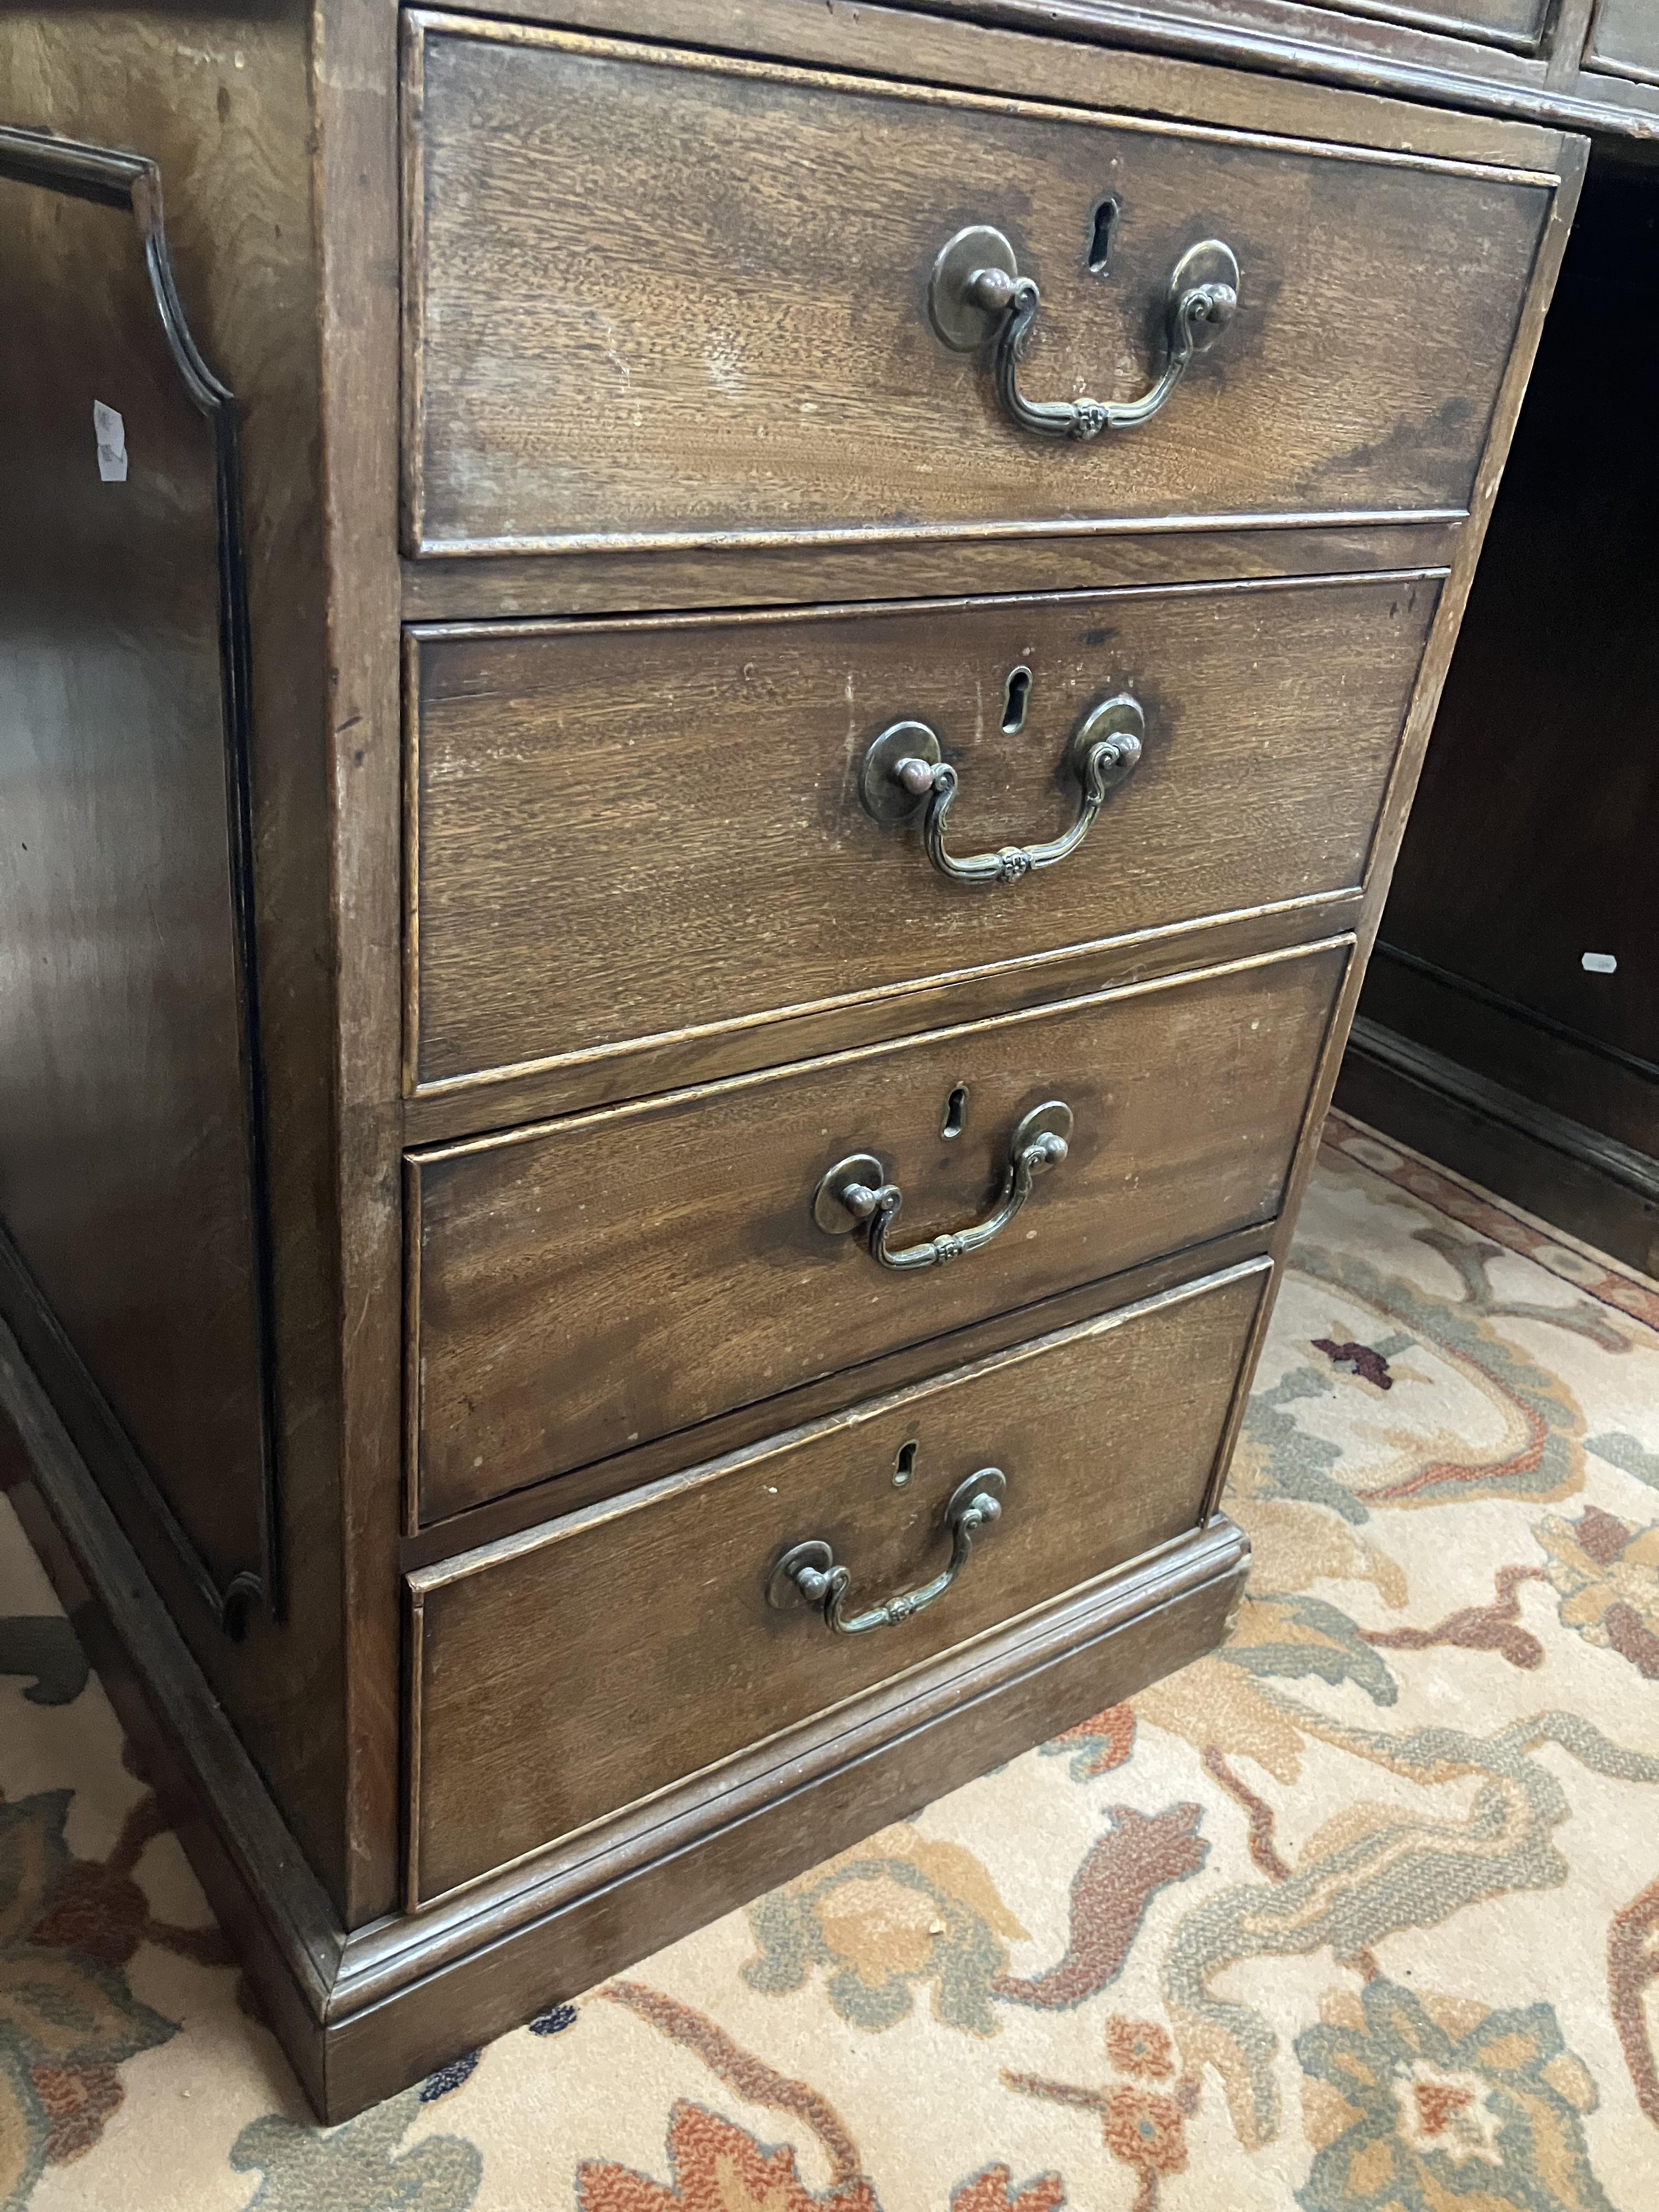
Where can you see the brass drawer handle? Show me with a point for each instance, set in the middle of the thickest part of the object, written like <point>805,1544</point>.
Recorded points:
<point>976,291</point>
<point>904,771</point>
<point>811,1573</point>
<point>856,1191</point>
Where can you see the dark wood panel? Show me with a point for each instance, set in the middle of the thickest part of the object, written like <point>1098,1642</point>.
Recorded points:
<point>689,299</point>
<point>131,1073</point>
<point>1306,47</point>
<point>686,798</point>
<point>1560,1170</point>
<point>1532,843</point>
<point>585,1287</point>
<point>540,1708</point>
<point>1559,1069</point>
<point>354,123</point>
<point>265,1897</point>
<point>1637,1170</point>
<point>1431,51</point>
<point>1521,943</point>
<point>224,111</point>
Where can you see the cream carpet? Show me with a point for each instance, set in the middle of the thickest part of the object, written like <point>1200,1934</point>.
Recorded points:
<point>1360,1916</point>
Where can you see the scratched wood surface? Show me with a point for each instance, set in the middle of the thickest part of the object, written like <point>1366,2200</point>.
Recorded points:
<point>654,302</point>
<point>627,830</point>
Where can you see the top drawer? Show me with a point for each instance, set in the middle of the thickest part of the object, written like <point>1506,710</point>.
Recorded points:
<point>665,299</point>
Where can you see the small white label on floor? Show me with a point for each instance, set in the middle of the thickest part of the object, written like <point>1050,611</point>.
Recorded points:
<point>112,435</point>
<point>1600,964</point>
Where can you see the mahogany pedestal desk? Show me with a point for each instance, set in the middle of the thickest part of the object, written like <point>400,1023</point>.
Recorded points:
<point>706,711</point>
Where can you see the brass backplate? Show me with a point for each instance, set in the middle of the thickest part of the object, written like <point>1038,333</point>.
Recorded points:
<point>829,1210</point>
<point>962,324</point>
<point>1209,262</point>
<point>883,797</point>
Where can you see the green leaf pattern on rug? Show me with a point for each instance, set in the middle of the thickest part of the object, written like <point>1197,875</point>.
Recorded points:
<point>1606,1573</point>
<point>1424,1762</point>
<point>67,2019</point>
<point>1622,1450</point>
<point>1373,1870</point>
<point>1285,1460</point>
<point>1419,2114</point>
<point>1293,1635</point>
<point>357,2167</point>
<point>895,1911</point>
<point>1543,1458</point>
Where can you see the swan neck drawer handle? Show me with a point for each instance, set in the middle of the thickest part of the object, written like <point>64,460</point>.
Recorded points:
<point>810,1573</point>
<point>904,771</point>
<point>977,293</point>
<point>856,1192</point>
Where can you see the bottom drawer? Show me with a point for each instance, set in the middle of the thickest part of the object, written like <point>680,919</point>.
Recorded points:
<point>567,1672</point>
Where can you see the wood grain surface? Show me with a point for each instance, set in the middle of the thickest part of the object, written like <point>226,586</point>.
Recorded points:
<point>582,1288</point>
<point>124,1105</point>
<point>220,99</point>
<point>1276,65</point>
<point>633,831</point>
<point>1157,549</point>
<point>655,299</point>
<point>566,1675</point>
<point>353,140</point>
<point>553,1088</point>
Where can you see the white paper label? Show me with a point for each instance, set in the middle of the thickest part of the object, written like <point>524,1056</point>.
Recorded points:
<point>1600,964</point>
<point>110,433</point>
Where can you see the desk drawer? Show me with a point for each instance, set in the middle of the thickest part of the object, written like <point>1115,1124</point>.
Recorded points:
<point>632,829</point>
<point>1517,24</point>
<point>1624,39</point>
<point>660,298</point>
<point>567,1673</point>
<point>621,1276</point>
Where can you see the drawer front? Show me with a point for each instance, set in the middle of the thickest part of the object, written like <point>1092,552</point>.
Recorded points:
<point>587,1664</point>
<point>1624,39</point>
<point>1517,24</point>
<point>623,1275</point>
<point>632,829</point>
<point>662,298</point>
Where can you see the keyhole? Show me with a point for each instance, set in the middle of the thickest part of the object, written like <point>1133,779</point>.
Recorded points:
<point>1015,699</point>
<point>905,1466</point>
<point>956,1112</point>
<point>1100,245</point>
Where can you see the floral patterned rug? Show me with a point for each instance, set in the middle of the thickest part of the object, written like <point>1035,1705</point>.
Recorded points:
<point>1360,1916</point>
